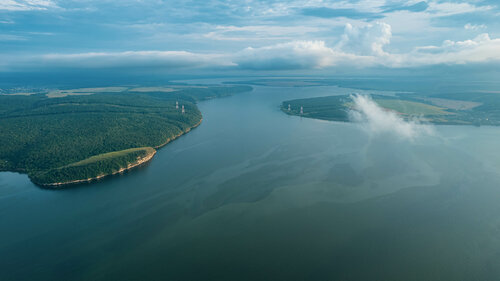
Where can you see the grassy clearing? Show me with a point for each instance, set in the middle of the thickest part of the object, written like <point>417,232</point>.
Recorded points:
<point>454,104</point>
<point>152,89</point>
<point>84,91</point>
<point>111,156</point>
<point>94,167</point>
<point>410,107</point>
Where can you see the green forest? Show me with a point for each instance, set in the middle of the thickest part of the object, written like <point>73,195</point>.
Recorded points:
<point>44,136</point>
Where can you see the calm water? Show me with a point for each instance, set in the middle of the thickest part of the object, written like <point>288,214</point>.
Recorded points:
<point>254,194</point>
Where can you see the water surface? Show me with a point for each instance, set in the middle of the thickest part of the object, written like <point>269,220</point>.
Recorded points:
<point>254,194</point>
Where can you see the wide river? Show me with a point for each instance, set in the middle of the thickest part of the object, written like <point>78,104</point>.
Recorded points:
<point>254,194</point>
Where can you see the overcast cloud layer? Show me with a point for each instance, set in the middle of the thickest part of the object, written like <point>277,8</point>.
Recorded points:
<point>251,35</point>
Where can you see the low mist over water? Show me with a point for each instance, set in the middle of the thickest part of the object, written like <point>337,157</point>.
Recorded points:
<point>378,120</point>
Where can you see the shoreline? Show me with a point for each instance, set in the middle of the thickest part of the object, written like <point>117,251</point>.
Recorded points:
<point>129,167</point>
<point>451,123</point>
<point>178,135</point>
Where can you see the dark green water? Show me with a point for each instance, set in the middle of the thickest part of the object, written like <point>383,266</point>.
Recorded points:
<point>253,194</point>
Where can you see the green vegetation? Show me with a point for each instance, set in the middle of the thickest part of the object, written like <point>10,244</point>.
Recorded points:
<point>452,109</point>
<point>333,108</point>
<point>94,167</point>
<point>411,107</point>
<point>49,137</point>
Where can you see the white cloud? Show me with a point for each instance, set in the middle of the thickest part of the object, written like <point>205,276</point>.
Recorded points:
<point>478,50</point>
<point>364,47</point>
<point>26,5</point>
<point>258,32</point>
<point>367,40</point>
<point>474,26</point>
<point>131,59</point>
<point>377,120</point>
<point>438,21</point>
<point>450,8</point>
<point>359,47</point>
<point>292,55</point>
<point>11,37</point>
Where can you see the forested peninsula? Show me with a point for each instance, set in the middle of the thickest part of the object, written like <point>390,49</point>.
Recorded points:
<point>478,109</point>
<point>61,137</point>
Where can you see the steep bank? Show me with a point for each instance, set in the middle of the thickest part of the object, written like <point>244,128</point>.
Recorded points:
<point>94,168</point>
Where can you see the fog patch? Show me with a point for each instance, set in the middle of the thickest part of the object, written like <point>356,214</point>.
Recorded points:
<point>377,120</point>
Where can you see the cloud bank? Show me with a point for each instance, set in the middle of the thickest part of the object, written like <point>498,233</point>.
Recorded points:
<point>131,59</point>
<point>292,55</point>
<point>359,47</point>
<point>378,120</point>
<point>478,50</point>
<point>250,34</point>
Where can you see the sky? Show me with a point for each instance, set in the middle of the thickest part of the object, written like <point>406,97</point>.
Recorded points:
<point>249,36</point>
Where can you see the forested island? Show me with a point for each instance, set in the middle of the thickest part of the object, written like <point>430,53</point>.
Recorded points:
<point>449,109</point>
<point>60,137</point>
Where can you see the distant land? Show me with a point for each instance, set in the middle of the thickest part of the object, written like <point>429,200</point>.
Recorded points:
<point>420,85</point>
<point>448,109</point>
<point>68,136</point>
